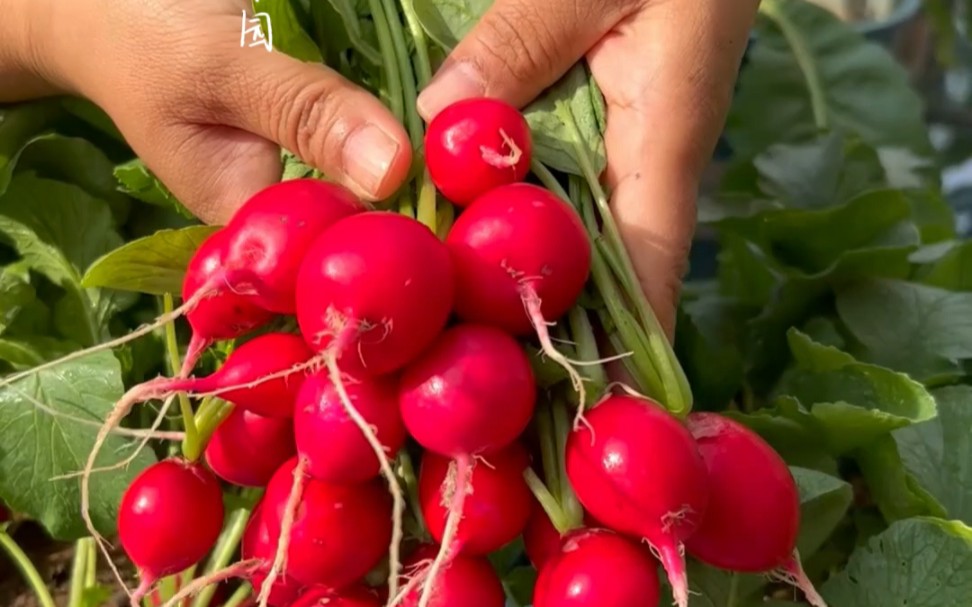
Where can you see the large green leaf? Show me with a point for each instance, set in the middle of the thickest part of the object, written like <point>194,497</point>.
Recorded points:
<point>447,21</point>
<point>824,500</point>
<point>155,264</point>
<point>138,182</point>
<point>938,452</point>
<point>38,444</point>
<point>15,294</point>
<point>921,330</point>
<point>952,269</point>
<point>808,71</point>
<point>18,125</point>
<point>919,561</point>
<point>890,486</point>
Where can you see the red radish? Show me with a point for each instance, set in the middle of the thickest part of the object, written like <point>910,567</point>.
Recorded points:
<point>322,596</point>
<point>339,532</point>
<point>494,514</point>
<point>473,391</point>
<point>466,582</point>
<point>522,257</point>
<point>754,527</point>
<point>335,449</point>
<point>598,568</point>
<point>636,469</point>
<point>375,290</point>
<point>541,540</point>
<point>170,499</point>
<point>259,544</point>
<point>475,145</point>
<point>246,448</point>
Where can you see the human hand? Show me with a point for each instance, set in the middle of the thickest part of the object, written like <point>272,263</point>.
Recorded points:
<point>205,114</point>
<point>666,70</point>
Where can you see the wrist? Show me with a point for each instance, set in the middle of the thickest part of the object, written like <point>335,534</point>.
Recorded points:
<point>25,51</point>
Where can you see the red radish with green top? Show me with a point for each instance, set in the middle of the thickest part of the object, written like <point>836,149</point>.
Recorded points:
<point>170,499</point>
<point>475,145</point>
<point>637,470</point>
<point>496,511</point>
<point>598,568</point>
<point>754,523</point>
<point>246,448</point>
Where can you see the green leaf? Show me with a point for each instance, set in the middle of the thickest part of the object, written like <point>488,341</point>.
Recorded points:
<point>554,140</point>
<point>824,500</point>
<point>919,561</point>
<point>951,270</point>
<point>59,230</point>
<point>26,352</point>
<point>155,264</point>
<point>447,21</point>
<point>890,486</point>
<point>923,331</point>
<point>288,35</point>
<point>808,71</point>
<point>37,445</point>
<point>294,167</point>
<point>18,125</point>
<point>938,452</point>
<point>15,294</point>
<point>352,33</point>
<point>138,182</point>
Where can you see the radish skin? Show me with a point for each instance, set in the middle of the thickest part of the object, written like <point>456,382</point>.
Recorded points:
<point>246,448</point>
<point>465,582</point>
<point>637,470</point>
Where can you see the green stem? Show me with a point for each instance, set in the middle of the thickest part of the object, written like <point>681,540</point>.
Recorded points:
<point>573,512</point>
<point>237,598</point>
<point>389,61</point>
<point>423,65</point>
<point>548,180</point>
<point>407,472</point>
<point>226,545</point>
<point>445,214</point>
<point>733,597</point>
<point>78,572</point>
<point>91,574</point>
<point>548,446</point>
<point>549,503</point>
<point>190,445</point>
<point>27,568</point>
<point>804,59</point>
<point>211,414</point>
<point>585,341</point>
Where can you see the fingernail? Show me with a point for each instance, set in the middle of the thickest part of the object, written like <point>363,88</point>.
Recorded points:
<point>368,154</point>
<point>455,81</point>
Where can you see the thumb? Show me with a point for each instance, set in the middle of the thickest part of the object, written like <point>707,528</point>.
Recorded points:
<point>517,49</point>
<point>311,110</point>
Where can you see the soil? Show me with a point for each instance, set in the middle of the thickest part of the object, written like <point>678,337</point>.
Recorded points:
<point>53,561</point>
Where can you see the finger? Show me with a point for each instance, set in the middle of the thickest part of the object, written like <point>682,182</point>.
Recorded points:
<point>664,116</point>
<point>311,110</point>
<point>518,48</point>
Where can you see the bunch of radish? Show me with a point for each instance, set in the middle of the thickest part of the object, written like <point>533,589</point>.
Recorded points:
<point>415,346</point>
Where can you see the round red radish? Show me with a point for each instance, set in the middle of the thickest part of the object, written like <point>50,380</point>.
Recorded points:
<point>636,469</point>
<point>475,145</point>
<point>257,543</point>
<point>170,517</point>
<point>473,391</point>
<point>340,532</point>
<point>257,358</point>
<point>755,518</point>
<point>335,449</point>
<point>275,228</point>
<point>377,287</point>
<point>493,514</point>
<point>246,448</point>
<point>322,596</point>
<point>467,581</point>
<point>518,244</point>
<point>541,540</point>
<point>598,568</point>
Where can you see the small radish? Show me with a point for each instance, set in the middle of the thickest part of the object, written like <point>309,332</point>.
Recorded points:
<point>246,448</point>
<point>257,543</point>
<point>375,290</point>
<point>598,568</point>
<point>494,514</point>
<point>475,145</point>
<point>522,257</point>
<point>322,596</point>
<point>472,392</point>
<point>754,523</point>
<point>541,540</point>
<point>466,582</point>
<point>169,518</point>
<point>636,469</point>
<point>335,449</point>
<point>338,533</point>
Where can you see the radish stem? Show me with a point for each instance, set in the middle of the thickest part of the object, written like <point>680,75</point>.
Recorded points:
<point>30,573</point>
<point>190,445</point>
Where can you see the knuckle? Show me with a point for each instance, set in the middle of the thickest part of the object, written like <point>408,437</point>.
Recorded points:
<point>521,42</point>
<point>310,120</point>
